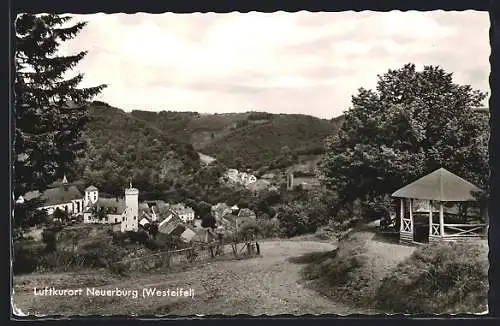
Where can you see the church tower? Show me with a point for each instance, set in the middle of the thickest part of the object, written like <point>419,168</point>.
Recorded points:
<point>131,219</point>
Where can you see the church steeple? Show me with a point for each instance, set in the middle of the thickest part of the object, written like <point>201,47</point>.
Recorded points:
<point>65,180</point>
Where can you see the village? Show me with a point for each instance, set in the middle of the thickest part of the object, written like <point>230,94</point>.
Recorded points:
<point>128,214</point>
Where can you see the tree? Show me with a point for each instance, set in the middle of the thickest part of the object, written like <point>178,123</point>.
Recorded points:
<point>208,221</point>
<point>204,208</point>
<point>293,221</point>
<point>249,231</point>
<point>413,123</point>
<point>50,109</point>
<point>49,237</point>
<point>60,215</point>
<point>153,229</point>
<point>27,214</point>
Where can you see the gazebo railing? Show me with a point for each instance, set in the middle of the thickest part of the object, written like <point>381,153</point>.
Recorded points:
<point>462,230</point>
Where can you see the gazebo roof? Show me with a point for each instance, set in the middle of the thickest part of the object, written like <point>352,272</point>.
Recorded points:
<point>440,185</point>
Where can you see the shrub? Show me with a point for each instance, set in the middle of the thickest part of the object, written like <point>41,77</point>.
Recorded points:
<point>441,278</point>
<point>292,221</point>
<point>248,231</point>
<point>25,260</point>
<point>137,237</point>
<point>50,240</point>
<point>269,228</point>
<point>119,268</point>
<point>151,244</point>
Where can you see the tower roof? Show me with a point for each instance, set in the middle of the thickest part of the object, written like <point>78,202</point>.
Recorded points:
<point>440,185</point>
<point>91,188</point>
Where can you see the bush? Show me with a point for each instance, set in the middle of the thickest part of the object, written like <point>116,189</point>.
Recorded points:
<point>441,278</point>
<point>25,260</point>
<point>50,240</point>
<point>292,221</point>
<point>248,231</point>
<point>152,244</point>
<point>119,268</point>
<point>139,237</point>
<point>269,228</point>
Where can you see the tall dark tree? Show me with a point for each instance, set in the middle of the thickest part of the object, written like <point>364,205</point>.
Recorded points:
<point>413,123</point>
<point>50,109</point>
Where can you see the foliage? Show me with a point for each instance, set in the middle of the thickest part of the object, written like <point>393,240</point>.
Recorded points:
<point>50,108</point>
<point>203,209</point>
<point>151,244</point>
<point>137,237</point>
<point>49,238</point>
<point>249,230</point>
<point>27,214</point>
<point>293,221</point>
<point>122,148</point>
<point>60,215</point>
<point>25,259</point>
<point>413,123</point>
<point>208,221</point>
<point>443,278</point>
<point>215,135</point>
<point>153,229</point>
<point>258,144</point>
<point>269,228</point>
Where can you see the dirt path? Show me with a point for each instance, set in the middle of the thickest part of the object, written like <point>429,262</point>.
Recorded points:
<point>265,285</point>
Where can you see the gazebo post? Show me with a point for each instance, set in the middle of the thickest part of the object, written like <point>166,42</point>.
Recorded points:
<point>430,219</point>
<point>441,219</point>
<point>401,214</point>
<point>411,216</point>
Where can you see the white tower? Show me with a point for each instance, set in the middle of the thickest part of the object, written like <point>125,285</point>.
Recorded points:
<point>91,196</point>
<point>130,221</point>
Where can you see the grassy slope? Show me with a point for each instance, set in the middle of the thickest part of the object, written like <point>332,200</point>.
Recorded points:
<point>389,277</point>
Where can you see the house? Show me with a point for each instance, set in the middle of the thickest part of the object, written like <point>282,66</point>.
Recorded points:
<point>240,177</point>
<point>219,210</point>
<point>112,208</point>
<point>186,214</point>
<point>172,225</point>
<point>122,212</point>
<point>60,195</point>
<point>232,173</point>
<point>204,235</point>
<point>246,215</point>
<point>268,176</point>
<point>188,235</point>
<point>235,209</point>
<point>144,222</point>
<point>91,196</point>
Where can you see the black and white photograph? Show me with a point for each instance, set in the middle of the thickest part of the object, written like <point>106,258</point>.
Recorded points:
<point>293,163</point>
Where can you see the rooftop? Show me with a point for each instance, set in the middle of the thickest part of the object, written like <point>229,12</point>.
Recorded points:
<point>60,195</point>
<point>440,185</point>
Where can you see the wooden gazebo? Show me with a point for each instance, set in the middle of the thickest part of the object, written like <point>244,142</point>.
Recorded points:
<point>441,189</point>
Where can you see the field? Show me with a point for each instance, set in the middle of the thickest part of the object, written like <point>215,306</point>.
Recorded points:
<point>270,284</point>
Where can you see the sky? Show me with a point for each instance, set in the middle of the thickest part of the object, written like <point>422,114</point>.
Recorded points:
<point>306,63</point>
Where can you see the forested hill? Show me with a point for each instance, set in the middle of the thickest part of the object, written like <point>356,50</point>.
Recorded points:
<point>122,147</point>
<point>255,140</point>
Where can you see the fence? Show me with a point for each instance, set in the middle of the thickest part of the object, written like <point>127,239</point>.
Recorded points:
<point>192,255</point>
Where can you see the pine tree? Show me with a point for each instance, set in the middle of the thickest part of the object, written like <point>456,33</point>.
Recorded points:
<point>50,109</point>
